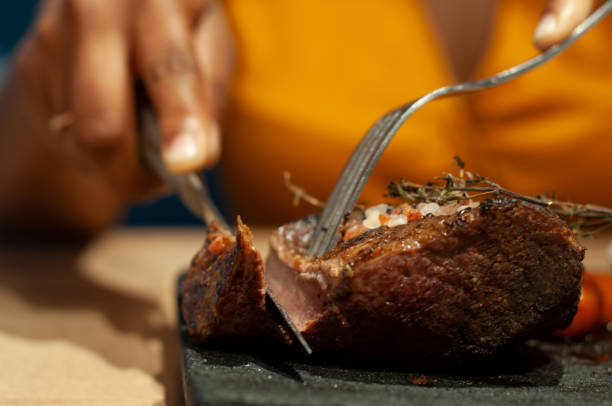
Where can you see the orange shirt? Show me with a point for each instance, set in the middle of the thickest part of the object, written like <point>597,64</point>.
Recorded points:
<point>313,75</point>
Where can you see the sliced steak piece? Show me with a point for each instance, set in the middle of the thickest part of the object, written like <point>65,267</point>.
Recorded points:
<point>223,294</point>
<point>436,289</point>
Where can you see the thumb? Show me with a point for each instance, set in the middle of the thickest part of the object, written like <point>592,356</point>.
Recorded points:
<point>559,19</point>
<point>190,136</point>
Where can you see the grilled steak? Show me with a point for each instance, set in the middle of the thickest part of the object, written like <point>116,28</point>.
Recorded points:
<point>223,294</point>
<point>435,289</point>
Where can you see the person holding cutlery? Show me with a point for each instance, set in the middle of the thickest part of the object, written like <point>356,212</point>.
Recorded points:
<point>270,86</point>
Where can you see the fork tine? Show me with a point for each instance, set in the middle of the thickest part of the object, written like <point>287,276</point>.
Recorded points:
<point>357,181</point>
<point>344,183</point>
<point>352,171</point>
<point>349,185</point>
<point>360,153</point>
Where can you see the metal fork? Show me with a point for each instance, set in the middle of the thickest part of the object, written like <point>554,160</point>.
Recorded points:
<point>369,150</point>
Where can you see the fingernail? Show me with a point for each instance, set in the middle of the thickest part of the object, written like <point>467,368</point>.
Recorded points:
<point>545,28</point>
<point>189,149</point>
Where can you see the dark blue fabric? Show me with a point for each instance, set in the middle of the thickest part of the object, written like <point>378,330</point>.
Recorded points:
<point>15,17</point>
<point>170,211</point>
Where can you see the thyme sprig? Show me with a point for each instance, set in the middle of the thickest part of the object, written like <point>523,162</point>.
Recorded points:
<point>300,194</point>
<point>586,219</point>
<point>448,188</point>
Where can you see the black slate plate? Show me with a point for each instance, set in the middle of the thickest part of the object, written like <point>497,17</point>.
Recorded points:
<point>534,374</point>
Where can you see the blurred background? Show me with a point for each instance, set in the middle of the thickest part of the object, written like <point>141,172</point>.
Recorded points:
<point>311,76</point>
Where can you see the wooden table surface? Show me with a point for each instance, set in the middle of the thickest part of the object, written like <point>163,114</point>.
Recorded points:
<point>96,325</point>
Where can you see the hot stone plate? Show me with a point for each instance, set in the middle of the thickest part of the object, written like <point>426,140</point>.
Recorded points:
<point>537,373</point>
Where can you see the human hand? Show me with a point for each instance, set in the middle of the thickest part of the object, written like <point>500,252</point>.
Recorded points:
<point>559,19</point>
<point>86,55</point>
<point>67,109</point>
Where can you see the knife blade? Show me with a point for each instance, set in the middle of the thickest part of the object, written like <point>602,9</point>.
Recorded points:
<point>193,192</point>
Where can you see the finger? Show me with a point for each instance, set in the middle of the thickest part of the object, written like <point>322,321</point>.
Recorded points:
<point>164,54</point>
<point>53,49</point>
<point>101,100</point>
<point>559,19</point>
<point>100,94</point>
<point>214,51</point>
<point>42,66</point>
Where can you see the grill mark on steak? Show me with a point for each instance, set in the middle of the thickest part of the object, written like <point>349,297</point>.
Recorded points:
<point>433,290</point>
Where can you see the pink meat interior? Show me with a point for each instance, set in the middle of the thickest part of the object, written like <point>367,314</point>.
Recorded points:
<point>302,298</point>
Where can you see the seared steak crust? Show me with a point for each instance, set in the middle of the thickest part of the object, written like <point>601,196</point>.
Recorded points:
<point>223,293</point>
<point>439,288</point>
<point>434,290</point>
